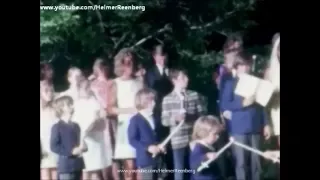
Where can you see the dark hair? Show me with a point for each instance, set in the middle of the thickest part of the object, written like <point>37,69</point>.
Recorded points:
<point>216,68</point>
<point>230,42</point>
<point>159,49</point>
<point>243,58</point>
<point>103,65</point>
<point>174,73</point>
<point>44,67</point>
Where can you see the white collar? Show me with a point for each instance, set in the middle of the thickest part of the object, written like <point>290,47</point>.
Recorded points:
<point>145,113</point>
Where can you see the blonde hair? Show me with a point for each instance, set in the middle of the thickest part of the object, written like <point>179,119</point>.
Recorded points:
<point>119,60</point>
<point>143,97</point>
<point>273,74</point>
<point>60,103</point>
<point>204,125</point>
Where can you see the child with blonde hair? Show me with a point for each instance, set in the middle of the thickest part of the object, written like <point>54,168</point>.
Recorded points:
<point>66,141</point>
<point>88,114</point>
<point>47,120</point>
<point>205,133</point>
<point>143,135</point>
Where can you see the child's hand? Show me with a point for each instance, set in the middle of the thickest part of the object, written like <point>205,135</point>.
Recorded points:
<point>211,155</point>
<point>153,149</point>
<point>272,155</point>
<point>267,132</point>
<point>77,151</point>
<point>44,154</point>
<point>248,101</point>
<point>162,149</point>
<point>227,114</point>
<point>83,147</point>
<point>180,117</point>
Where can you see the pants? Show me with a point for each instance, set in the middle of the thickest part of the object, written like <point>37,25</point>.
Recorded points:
<point>246,162</point>
<point>181,161</point>
<point>70,176</point>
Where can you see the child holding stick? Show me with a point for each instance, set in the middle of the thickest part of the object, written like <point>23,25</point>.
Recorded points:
<point>205,133</point>
<point>181,105</point>
<point>143,135</point>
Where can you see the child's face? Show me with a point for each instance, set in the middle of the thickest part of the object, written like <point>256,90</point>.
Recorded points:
<point>229,60</point>
<point>75,78</point>
<point>68,109</point>
<point>213,136</point>
<point>84,90</point>
<point>181,81</point>
<point>46,93</point>
<point>243,69</point>
<point>151,104</point>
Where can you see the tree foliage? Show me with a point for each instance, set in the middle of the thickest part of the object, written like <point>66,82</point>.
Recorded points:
<point>189,28</point>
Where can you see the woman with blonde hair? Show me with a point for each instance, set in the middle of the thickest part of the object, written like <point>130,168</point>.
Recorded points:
<point>47,120</point>
<point>122,105</point>
<point>88,113</point>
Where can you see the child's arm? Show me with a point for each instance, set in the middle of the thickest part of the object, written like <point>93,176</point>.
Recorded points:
<point>229,100</point>
<point>134,135</point>
<point>197,158</point>
<point>55,143</point>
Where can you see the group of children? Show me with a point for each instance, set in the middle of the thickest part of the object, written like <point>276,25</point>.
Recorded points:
<point>76,134</point>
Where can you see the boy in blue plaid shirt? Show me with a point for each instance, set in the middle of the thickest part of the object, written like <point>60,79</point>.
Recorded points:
<point>181,105</point>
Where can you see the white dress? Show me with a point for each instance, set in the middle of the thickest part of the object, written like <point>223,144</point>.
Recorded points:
<point>47,120</point>
<point>85,114</point>
<point>126,92</point>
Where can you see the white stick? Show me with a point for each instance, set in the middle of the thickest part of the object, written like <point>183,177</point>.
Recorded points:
<point>166,141</point>
<point>206,163</point>
<point>254,150</point>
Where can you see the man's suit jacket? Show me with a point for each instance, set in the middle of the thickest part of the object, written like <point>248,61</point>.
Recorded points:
<point>162,85</point>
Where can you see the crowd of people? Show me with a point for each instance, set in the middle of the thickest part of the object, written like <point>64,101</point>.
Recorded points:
<point>101,126</point>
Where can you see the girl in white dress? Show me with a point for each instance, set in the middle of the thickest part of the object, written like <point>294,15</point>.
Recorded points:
<point>88,112</point>
<point>47,120</point>
<point>122,104</point>
<point>100,85</point>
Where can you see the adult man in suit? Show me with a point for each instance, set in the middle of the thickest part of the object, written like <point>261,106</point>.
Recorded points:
<point>157,79</point>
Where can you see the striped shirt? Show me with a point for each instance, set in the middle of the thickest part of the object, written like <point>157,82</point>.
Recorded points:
<point>171,107</point>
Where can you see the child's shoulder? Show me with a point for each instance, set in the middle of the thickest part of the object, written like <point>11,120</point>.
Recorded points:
<point>136,118</point>
<point>198,148</point>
